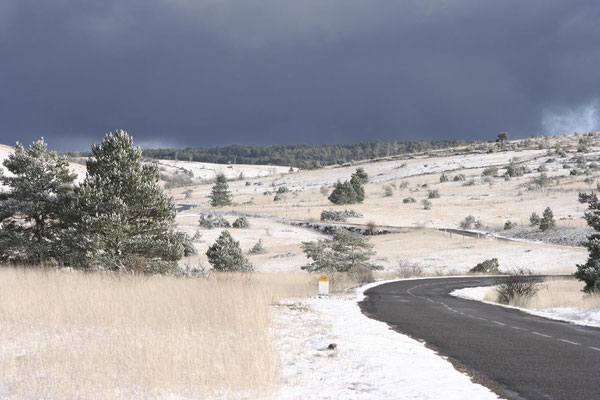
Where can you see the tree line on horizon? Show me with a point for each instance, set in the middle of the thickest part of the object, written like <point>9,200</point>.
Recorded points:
<point>305,156</point>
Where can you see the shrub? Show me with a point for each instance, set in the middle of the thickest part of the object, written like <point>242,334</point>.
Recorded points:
<point>433,194</point>
<point>407,269</point>
<point>371,226</point>
<point>513,169</point>
<point>332,215</point>
<point>283,189</point>
<point>324,190</point>
<point>409,200</point>
<point>388,191</point>
<point>278,197</point>
<point>509,225</point>
<point>534,219</point>
<point>519,284</point>
<point>241,223</point>
<point>459,178</point>
<point>226,255</point>
<point>468,222</point>
<point>471,222</point>
<point>443,177</point>
<point>197,236</point>
<point>487,266</point>
<point>212,220</point>
<point>541,181</point>
<point>176,180</point>
<point>547,221</point>
<point>426,204</point>
<point>339,216</point>
<point>188,245</point>
<point>470,182</point>
<point>490,171</point>
<point>258,248</point>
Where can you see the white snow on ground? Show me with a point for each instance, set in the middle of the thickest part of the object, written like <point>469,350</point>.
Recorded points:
<point>208,171</point>
<point>384,171</point>
<point>371,361</point>
<point>572,315</point>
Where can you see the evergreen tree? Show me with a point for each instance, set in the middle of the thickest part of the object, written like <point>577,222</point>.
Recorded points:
<point>361,175</point>
<point>220,195</point>
<point>547,221</point>
<point>226,255</point>
<point>357,184</point>
<point>590,271</point>
<point>502,137</point>
<point>343,193</point>
<point>38,191</point>
<point>345,252</point>
<point>123,220</point>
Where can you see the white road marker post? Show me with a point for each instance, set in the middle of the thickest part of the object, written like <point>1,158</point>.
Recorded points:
<point>323,285</point>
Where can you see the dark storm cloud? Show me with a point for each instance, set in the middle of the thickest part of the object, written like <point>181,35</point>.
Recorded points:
<point>186,72</point>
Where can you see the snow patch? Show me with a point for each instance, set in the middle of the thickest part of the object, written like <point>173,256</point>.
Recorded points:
<point>371,360</point>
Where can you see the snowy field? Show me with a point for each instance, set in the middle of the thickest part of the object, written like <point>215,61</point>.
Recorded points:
<point>208,171</point>
<point>371,360</point>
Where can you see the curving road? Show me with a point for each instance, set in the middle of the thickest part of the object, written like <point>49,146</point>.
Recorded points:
<point>518,355</point>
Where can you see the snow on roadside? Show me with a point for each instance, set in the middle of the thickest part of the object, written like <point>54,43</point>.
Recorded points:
<point>567,314</point>
<point>371,360</point>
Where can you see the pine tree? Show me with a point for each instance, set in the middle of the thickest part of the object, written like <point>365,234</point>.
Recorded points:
<point>590,271</point>
<point>547,221</point>
<point>123,221</point>
<point>345,252</point>
<point>226,255</point>
<point>220,195</point>
<point>343,193</point>
<point>357,184</point>
<point>38,191</point>
<point>362,176</point>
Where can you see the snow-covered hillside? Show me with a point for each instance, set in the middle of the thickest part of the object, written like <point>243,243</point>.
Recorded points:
<point>208,171</point>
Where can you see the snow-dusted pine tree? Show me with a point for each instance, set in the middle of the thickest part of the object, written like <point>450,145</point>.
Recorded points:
<point>226,255</point>
<point>123,221</point>
<point>590,271</point>
<point>220,195</point>
<point>39,187</point>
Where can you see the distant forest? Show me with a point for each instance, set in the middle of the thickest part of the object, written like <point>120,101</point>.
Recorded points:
<point>300,155</point>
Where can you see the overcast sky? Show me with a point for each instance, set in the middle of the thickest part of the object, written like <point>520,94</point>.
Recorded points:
<point>212,72</point>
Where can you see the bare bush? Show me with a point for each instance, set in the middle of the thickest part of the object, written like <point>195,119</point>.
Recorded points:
<point>519,284</point>
<point>408,269</point>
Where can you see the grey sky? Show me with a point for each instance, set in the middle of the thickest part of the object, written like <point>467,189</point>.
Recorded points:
<point>193,72</point>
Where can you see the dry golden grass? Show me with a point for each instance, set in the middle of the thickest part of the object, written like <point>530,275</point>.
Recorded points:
<point>68,335</point>
<point>554,294</point>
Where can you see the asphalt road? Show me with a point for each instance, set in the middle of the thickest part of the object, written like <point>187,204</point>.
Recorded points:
<point>520,356</point>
